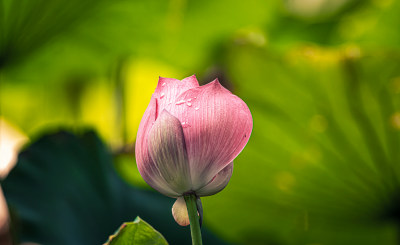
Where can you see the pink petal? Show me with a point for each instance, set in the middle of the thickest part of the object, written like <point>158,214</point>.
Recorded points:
<point>168,89</point>
<point>217,125</point>
<point>180,213</point>
<point>148,170</point>
<point>167,149</point>
<point>218,183</point>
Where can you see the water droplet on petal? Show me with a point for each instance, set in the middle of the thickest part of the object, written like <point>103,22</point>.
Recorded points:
<point>189,104</point>
<point>189,99</point>
<point>180,102</point>
<point>196,108</point>
<point>185,125</point>
<point>163,84</point>
<point>162,95</point>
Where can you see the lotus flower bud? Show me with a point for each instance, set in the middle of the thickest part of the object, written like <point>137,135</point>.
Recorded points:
<point>188,138</point>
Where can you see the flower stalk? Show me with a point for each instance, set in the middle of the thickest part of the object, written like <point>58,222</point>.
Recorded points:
<point>194,219</point>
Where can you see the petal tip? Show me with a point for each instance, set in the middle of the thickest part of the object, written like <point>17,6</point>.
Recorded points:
<point>162,81</point>
<point>191,79</point>
<point>165,113</point>
<point>216,80</point>
<point>216,85</point>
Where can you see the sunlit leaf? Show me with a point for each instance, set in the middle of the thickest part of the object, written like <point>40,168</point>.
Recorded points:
<point>137,232</point>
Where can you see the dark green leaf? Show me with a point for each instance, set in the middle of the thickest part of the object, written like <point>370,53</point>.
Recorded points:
<point>64,190</point>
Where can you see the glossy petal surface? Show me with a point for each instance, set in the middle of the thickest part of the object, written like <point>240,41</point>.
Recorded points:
<point>168,89</point>
<point>167,149</point>
<point>146,166</point>
<point>217,126</point>
<point>200,130</point>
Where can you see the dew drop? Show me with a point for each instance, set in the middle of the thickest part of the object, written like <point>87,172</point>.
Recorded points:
<point>196,108</point>
<point>180,102</point>
<point>185,125</point>
<point>162,95</point>
<point>163,84</point>
<point>189,99</point>
<point>189,104</point>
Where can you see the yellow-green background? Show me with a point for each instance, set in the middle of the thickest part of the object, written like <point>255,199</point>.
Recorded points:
<point>321,78</point>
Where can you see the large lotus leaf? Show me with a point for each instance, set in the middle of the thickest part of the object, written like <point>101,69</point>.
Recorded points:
<point>64,190</point>
<point>322,161</point>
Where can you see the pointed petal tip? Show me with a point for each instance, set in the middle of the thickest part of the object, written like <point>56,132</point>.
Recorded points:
<point>162,81</point>
<point>166,114</point>
<point>191,79</point>
<point>165,83</point>
<point>215,85</point>
<point>160,78</point>
<point>164,78</point>
<point>215,80</point>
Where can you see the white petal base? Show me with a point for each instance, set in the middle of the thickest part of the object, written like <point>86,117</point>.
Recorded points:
<point>179,211</point>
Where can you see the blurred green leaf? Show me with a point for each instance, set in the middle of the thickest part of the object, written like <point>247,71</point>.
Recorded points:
<point>321,165</point>
<point>136,232</point>
<point>28,25</point>
<point>92,42</point>
<point>318,159</point>
<point>64,190</point>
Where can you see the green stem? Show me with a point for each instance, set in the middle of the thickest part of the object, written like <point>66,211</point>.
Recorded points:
<point>194,219</point>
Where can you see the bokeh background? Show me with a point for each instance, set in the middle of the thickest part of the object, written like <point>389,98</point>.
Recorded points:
<point>321,78</point>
